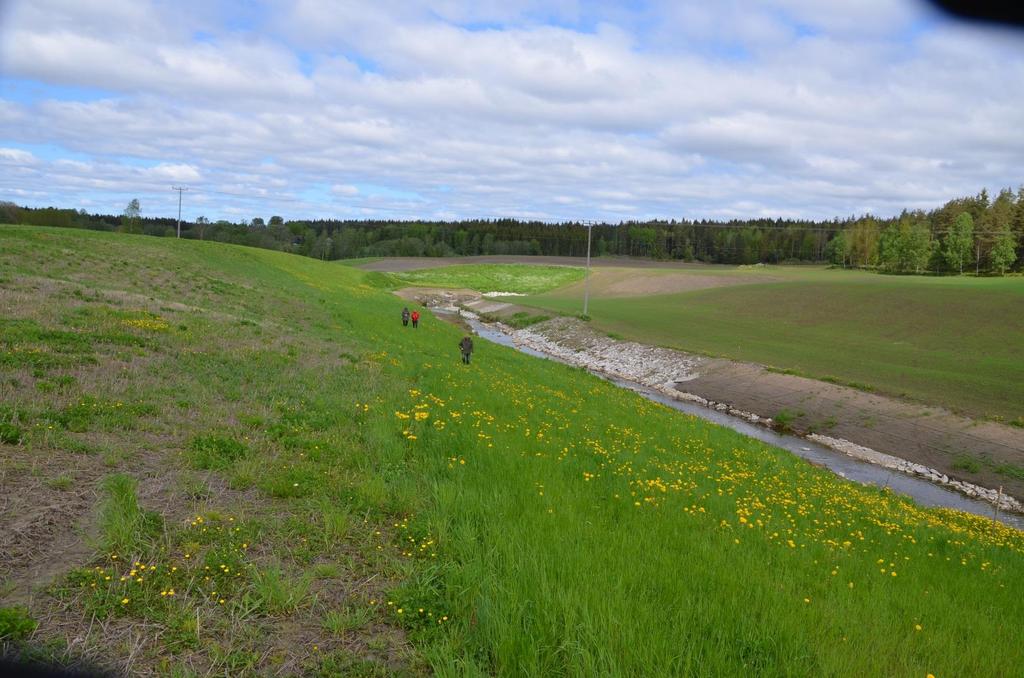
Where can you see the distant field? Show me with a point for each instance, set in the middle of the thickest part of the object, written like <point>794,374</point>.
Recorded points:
<point>956,342</point>
<point>361,261</point>
<point>219,460</point>
<point>520,278</point>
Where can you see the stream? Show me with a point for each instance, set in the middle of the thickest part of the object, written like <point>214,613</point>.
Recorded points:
<point>922,491</point>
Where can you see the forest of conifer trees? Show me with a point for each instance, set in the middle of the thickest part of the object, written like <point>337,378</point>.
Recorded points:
<point>977,234</point>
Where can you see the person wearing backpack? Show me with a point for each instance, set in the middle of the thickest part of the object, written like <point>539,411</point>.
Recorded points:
<point>405,316</point>
<point>415,319</point>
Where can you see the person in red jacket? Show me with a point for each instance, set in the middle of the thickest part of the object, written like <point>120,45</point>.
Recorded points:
<point>415,318</point>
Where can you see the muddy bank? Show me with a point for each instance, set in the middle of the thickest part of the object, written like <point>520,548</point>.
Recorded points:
<point>925,442</point>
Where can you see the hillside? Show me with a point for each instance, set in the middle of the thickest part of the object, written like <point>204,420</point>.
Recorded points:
<point>226,460</point>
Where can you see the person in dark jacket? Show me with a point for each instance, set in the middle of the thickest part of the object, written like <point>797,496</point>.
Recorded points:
<point>466,346</point>
<point>415,318</point>
<point>405,316</point>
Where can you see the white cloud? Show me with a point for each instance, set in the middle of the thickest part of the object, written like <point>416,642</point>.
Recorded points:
<point>16,156</point>
<point>670,109</point>
<point>179,173</point>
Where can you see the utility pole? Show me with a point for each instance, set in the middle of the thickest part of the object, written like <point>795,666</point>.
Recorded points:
<point>180,191</point>
<point>586,279</point>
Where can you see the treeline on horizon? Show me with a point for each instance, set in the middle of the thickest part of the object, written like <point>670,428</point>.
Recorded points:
<point>974,234</point>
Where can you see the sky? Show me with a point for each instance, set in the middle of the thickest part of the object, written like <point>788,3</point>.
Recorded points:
<point>535,109</point>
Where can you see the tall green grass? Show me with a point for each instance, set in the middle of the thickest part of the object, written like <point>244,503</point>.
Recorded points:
<point>126,527</point>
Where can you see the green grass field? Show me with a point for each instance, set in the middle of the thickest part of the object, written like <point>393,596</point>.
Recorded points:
<point>276,477</point>
<point>519,278</point>
<point>954,342</point>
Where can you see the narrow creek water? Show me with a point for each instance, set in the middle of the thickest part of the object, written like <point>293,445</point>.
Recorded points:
<point>922,491</point>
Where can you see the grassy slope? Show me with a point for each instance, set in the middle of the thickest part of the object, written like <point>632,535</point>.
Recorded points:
<point>521,278</point>
<point>950,341</point>
<point>560,525</point>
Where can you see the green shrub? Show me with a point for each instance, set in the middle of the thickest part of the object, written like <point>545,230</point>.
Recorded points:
<point>10,434</point>
<point>967,464</point>
<point>783,421</point>
<point>215,452</point>
<point>16,623</point>
<point>1011,470</point>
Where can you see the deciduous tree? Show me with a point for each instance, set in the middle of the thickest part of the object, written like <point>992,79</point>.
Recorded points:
<point>132,221</point>
<point>905,246</point>
<point>959,242</point>
<point>1004,251</point>
<point>837,250</point>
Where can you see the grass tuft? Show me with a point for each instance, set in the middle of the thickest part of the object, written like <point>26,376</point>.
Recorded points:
<point>16,623</point>
<point>126,528</point>
<point>10,434</point>
<point>968,464</point>
<point>339,622</point>
<point>278,593</point>
<point>214,452</point>
<point>61,482</point>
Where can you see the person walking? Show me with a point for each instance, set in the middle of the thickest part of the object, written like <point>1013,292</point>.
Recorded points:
<point>405,316</point>
<point>415,319</point>
<point>466,347</point>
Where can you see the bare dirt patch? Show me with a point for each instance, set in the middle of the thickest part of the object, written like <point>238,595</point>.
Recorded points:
<point>43,525</point>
